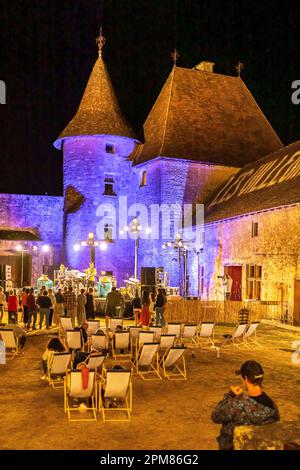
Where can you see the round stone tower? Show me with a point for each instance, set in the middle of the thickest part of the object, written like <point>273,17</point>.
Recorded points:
<point>96,145</point>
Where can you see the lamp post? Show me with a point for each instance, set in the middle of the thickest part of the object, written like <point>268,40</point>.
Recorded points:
<point>135,228</point>
<point>182,247</point>
<point>92,243</point>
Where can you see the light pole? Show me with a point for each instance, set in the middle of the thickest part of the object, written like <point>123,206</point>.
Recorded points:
<point>92,243</point>
<point>182,247</point>
<point>135,228</point>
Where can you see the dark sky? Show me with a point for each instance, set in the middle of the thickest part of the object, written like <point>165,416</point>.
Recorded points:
<point>47,50</point>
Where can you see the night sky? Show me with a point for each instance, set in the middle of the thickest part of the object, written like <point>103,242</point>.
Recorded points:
<point>47,51</point>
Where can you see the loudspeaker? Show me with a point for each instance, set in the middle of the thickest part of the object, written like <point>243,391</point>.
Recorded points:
<point>5,272</point>
<point>148,276</point>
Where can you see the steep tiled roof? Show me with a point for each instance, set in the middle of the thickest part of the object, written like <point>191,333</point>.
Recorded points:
<point>206,117</point>
<point>99,112</point>
<point>271,182</point>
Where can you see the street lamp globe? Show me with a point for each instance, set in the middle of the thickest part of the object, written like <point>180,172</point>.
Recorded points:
<point>46,248</point>
<point>19,248</point>
<point>77,247</point>
<point>91,236</point>
<point>103,246</point>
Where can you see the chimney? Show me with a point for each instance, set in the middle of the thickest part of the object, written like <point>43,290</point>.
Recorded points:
<point>205,66</point>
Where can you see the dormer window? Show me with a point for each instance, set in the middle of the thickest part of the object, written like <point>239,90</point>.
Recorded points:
<point>110,148</point>
<point>109,183</point>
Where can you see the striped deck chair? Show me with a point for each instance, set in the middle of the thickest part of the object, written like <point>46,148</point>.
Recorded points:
<point>173,363</point>
<point>237,338</point>
<point>147,362</point>
<point>73,389</point>
<point>116,390</point>
<point>11,346</point>
<point>58,366</point>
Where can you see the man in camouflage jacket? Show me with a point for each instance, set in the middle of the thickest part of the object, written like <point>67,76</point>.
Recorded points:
<point>238,409</point>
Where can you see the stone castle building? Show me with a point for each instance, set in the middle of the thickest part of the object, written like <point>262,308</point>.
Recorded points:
<point>206,141</point>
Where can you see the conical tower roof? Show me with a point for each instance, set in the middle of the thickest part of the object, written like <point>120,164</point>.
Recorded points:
<point>99,112</point>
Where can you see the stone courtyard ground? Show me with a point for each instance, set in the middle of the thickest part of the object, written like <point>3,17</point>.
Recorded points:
<point>166,415</point>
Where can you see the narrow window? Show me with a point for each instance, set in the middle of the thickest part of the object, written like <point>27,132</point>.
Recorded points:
<point>109,185</point>
<point>110,148</point>
<point>108,232</point>
<point>144,179</point>
<point>254,229</point>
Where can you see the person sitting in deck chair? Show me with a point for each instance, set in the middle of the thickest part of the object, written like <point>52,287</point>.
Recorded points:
<point>237,409</point>
<point>54,345</point>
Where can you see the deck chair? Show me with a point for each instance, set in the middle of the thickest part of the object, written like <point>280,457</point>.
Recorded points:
<point>114,322</point>
<point>166,342</point>
<point>116,386</point>
<point>174,329</point>
<point>74,339</point>
<point>134,332</point>
<point>96,363</point>
<point>173,363</point>
<point>93,327</point>
<point>66,324</point>
<point>147,362</point>
<point>237,338</point>
<point>98,342</point>
<point>206,334</point>
<point>73,389</point>
<point>121,341</point>
<point>157,330</point>
<point>189,335</point>
<point>11,343</point>
<point>250,338</point>
<point>57,369</point>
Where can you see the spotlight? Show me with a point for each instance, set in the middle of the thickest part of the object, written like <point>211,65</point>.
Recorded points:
<point>148,230</point>
<point>19,248</point>
<point>77,247</point>
<point>34,248</point>
<point>164,246</point>
<point>103,246</point>
<point>139,228</point>
<point>169,244</point>
<point>46,248</point>
<point>83,243</point>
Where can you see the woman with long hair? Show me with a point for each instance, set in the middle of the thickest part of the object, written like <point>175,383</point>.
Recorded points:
<point>145,313</point>
<point>53,346</point>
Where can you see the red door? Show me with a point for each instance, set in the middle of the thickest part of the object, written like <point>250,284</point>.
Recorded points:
<point>235,272</point>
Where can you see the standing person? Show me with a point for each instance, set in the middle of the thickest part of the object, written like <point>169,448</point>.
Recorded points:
<point>53,306</point>
<point>70,305</point>
<point>121,304</point>
<point>136,304</point>
<point>32,309</point>
<point>44,302</point>
<point>24,297</point>
<point>237,409</point>
<point>64,294</point>
<point>81,301</point>
<point>159,308</point>
<point>112,301</point>
<point>152,307</point>
<point>12,307</point>
<point>145,313</point>
<point>90,304</point>
<point>59,311</point>
<point>2,304</point>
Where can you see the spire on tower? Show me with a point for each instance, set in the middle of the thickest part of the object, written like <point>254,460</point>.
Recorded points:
<point>100,41</point>
<point>175,56</point>
<point>239,67</point>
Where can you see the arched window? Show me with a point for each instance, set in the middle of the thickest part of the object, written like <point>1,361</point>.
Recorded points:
<point>144,179</point>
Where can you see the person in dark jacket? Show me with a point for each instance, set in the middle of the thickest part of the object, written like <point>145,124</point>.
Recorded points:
<point>44,303</point>
<point>159,308</point>
<point>32,313</point>
<point>137,306</point>
<point>237,409</point>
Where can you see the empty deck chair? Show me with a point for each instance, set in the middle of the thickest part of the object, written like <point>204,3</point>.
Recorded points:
<point>166,342</point>
<point>121,342</point>
<point>93,327</point>
<point>98,342</point>
<point>173,363</point>
<point>11,343</point>
<point>145,337</point>
<point>116,388</point>
<point>134,332</point>
<point>73,389</point>
<point>157,330</point>
<point>189,335</point>
<point>147,362</point>
<point>237,338</point>
<point>65,324</point>
<point>174,329</point>
<point>114,322</point>
<point>206,334</point>
<point>250,338</point>
<point>74,339</point>
<point>58,366</point>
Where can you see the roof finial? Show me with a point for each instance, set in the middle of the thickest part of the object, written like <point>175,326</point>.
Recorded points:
<point>239,67</point>
<point>100,41</point>
<point>175,56</point>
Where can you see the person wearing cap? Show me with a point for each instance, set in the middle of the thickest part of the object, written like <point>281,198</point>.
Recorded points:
<point>239,409</point>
